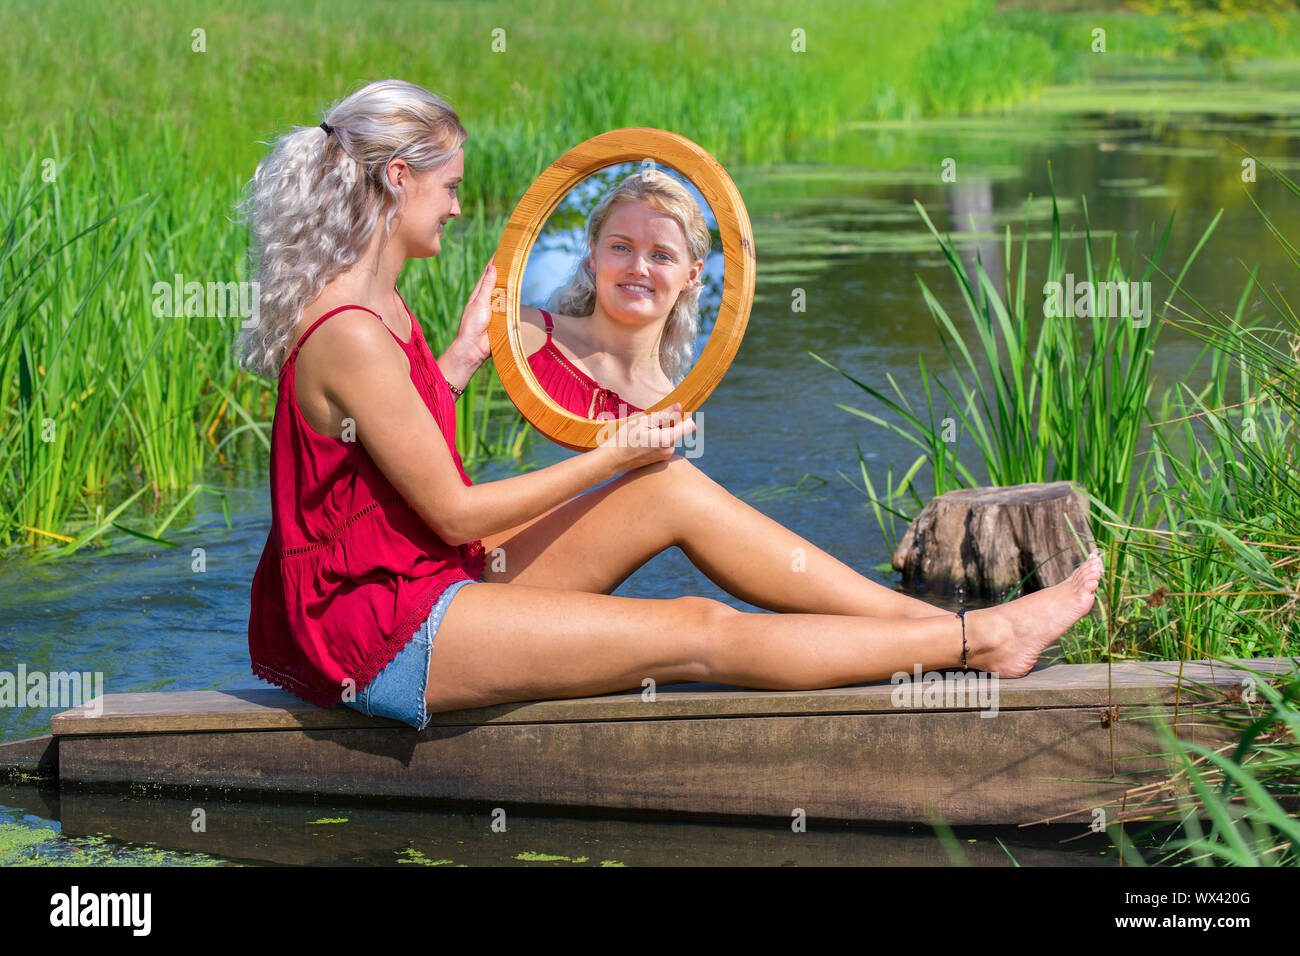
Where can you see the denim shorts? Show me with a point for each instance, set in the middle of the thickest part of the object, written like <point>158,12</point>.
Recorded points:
<point>398,690</point>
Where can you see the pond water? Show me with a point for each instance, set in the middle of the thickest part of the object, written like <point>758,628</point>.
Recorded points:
<point>87,828</point>
<point>843,230</point>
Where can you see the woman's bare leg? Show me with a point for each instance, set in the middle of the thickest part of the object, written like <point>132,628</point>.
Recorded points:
<point>595,541</point>
<point>501,643</point>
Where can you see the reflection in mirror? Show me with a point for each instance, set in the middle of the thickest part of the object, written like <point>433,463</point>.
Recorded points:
<point>621,290</point>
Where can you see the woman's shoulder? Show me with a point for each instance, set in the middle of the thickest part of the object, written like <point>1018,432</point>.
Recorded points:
<point>345,320</point>
<point>532,327</point>
<point>351,333</point>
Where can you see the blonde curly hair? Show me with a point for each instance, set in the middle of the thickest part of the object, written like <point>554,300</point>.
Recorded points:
<point>317,197</point>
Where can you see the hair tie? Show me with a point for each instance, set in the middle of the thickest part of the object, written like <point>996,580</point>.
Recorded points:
<point>327,128</point>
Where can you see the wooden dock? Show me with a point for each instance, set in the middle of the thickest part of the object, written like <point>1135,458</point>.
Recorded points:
<point>1056,744</point>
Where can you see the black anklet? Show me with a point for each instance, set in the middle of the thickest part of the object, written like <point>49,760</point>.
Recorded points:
<point>964,647</point>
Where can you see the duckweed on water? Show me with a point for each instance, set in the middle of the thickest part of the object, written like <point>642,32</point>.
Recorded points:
<point>532,857</point>
<point>415,856</point>
<point>27,845</point>
<point>16,841</point>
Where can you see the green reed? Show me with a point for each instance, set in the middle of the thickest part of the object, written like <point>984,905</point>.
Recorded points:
<point>1219,569</point>
<point>115,399</point>
<point>111,415</point>
<point>1043,396</point>
<point>1196,494</point>
<point>1204,562</point>
<point>98,392</point>
<point>1248,790</point>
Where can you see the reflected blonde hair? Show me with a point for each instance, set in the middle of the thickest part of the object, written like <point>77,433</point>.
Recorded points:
<point>317,197</point>
<point>660,190</point>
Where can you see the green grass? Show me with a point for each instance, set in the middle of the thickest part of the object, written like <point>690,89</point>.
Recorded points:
<point>112,418</point>
<point>1196,494</point>
<point>981,62</point>
<point>1213,569</point>
<point>1134,34</point>
<point>1044,395</point>
<point>1247,790</point>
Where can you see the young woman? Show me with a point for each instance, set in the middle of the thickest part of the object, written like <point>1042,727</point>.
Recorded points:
<point>627,318</point>
<point>379,542</point>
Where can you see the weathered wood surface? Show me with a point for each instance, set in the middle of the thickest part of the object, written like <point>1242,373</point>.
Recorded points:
<point>903,767</point>
<point>1062,685</point>
<point>985,541</point>
<point>846,754</point>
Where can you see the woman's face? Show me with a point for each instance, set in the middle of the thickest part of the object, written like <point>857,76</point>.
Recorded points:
<point>430,201</point>
<point>641,263</point>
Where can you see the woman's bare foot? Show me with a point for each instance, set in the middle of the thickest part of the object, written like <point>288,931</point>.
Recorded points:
<point>1008,639</point>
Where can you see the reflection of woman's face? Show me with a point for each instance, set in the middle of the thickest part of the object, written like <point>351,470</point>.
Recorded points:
<point>641,263</point>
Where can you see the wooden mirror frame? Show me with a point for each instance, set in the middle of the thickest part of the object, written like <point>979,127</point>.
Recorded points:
<point>526,222</point>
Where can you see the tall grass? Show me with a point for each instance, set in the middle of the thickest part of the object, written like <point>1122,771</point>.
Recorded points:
<point>110,405</point>
<point>983,61</point>
<point>1196,495</point>
<point>1219,569</point>
<point>1043,396</point>
<point>1249,789</point>
<point>1158,34</point>
<point>111,417</point>
<point>56,388</point>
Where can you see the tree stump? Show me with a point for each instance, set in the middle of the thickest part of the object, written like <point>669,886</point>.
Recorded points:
<point>987,540</point>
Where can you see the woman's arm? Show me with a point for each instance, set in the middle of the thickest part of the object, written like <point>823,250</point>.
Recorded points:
<point>366,378</point>
<point>457,366</point>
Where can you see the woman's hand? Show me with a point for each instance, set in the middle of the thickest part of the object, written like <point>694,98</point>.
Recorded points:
<point>472,337</point>
<point>646,438</point>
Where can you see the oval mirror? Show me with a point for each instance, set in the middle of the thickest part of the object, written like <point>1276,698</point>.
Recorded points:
<point>625,278</point>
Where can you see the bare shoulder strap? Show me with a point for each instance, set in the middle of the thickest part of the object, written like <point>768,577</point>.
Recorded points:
<point>312,328</point>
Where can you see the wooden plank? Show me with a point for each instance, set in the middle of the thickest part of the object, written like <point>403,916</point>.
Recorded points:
<point>895,767</point>
<point>30,757</point>
<point>1062,685</point>
<point>206,710</point>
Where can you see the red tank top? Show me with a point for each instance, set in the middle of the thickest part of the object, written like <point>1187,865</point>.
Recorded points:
<point>579,393</point>
<point>350,570</point>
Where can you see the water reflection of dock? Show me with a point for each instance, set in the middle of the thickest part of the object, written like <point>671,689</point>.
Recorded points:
<point>971,213</point>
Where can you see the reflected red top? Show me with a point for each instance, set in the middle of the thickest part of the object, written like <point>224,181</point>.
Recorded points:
<point>574,390</point>
<point>350,570</point>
